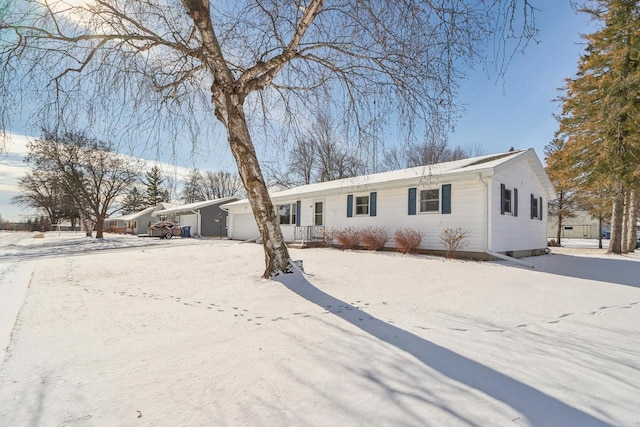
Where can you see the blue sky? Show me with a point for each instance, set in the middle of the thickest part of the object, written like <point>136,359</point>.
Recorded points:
<point>514,111</point>
<point>517,111</point>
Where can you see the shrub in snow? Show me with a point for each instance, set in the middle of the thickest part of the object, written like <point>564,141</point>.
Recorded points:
<point>453,239</point>
<point>328,236</point>
<point>349,237</point>
<point>407,240</point>
<point>374,238</point>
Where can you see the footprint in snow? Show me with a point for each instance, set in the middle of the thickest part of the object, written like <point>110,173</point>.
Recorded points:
<point>565,315</point>
<point>554,321</point>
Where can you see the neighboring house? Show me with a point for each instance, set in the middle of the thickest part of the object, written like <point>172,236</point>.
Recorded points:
<point>65,226</point>
<point>581,226</point>
<point>500,200</point>
<point>205,219</point>
<point>135,223</point>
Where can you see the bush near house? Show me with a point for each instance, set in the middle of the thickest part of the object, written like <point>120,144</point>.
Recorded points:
<point>349,237</point>
<point>407,240</point>
<point>374,238</point>
<point>453,240</point>
<point>328,236</point>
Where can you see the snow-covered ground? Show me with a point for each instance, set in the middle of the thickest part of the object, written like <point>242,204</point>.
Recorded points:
<point>184,332</point>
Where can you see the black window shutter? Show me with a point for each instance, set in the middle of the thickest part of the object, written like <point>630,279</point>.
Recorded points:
<point>540,207</point>
<point>298,203</point>
<point>373,199</point>
<point>349,205</point>
<point>502,199</point>
<point>533,200</point>
<point>515,202</point>
<point>446,199</point>
<point>412,201</point>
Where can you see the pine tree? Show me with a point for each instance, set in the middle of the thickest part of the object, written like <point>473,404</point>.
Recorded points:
<point>601,108</point>
<point>134,201</point>
<point>155,191</point>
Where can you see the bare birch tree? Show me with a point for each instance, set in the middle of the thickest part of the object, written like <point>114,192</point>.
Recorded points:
<point>141,62</point>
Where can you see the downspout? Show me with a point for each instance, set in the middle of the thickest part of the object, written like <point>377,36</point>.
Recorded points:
<point>487,229</point>
<point>487,216</point>
<point>198,220</point>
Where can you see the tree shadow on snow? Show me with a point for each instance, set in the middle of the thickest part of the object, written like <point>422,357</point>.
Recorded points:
<point>539,408</point>
<point>613,270</point>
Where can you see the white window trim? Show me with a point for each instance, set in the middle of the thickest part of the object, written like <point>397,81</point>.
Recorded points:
<point>538,215</point>
<point>510,190</point>
<point>355,205</point>
<point>292,213</point>
<point>322,213</point>
<point>419,201</point>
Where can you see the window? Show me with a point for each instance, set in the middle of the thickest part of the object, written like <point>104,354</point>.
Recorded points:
<point>362,205</point>
<point>287,214</point>
<point>506,201</point>
<point>536,207</point>
<point>317,215</point>
<point>430,200</point>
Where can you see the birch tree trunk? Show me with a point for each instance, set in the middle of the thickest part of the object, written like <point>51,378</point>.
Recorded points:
<point>228,95</point>
<point>275,251</point>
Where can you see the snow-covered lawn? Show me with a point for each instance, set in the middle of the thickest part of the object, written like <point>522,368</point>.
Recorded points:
<point>185,333</point>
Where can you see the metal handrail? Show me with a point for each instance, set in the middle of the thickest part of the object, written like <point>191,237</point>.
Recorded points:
<point>308,232</point>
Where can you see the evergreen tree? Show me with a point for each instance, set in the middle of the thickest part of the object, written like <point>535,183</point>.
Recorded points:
<point>601,108</point>
<point>134,201</point>
<point>155,191</point>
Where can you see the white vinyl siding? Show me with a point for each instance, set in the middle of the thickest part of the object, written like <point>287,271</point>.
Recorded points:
<point>513,233</point>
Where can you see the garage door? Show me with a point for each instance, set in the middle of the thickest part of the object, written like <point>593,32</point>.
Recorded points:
<point>243,227</point>
<point>191,221</point>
